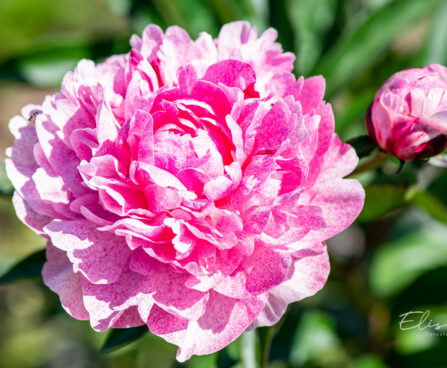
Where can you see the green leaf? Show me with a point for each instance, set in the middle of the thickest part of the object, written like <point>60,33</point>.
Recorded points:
<point>122,337</point>
<point>315,337</point>
<point>361,46</point>
<point>430,204</point>
<point>29,267</point>
<point>202,361</point>
<point>435,50</point>
<point>47,67</point>
<point>224,359</point>
<point>310,21</point>
<point>353,110</point>
<point>368,361</point>
<point>226,10</point>
<point>439,160</point>
<point>363,145</point>
<point>6,187</point>
<point>31,25</point>
<point>399,262</point>
<point>380,199</point>
<point>413,341</point>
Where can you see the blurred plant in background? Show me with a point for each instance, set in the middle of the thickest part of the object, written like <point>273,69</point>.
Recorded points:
<point>392,261</point>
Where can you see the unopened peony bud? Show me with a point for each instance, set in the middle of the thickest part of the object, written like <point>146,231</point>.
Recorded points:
<point>408,117</point>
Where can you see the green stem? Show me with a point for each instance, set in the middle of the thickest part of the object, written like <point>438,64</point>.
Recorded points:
<point>248,349</point>
<point>266,337</point>
<point>371,164</point>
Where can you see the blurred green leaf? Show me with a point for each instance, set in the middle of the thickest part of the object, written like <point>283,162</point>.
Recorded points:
<point>170,12</point>
<point>435,48</point>
<point>363,145</point>
<point>224,359</point>
<point>439,160</point>
<point>354,110</point>
<point>226,10</point>
<point>195,16</point>
<point>430,204</point>
<point>438,185</point>
<point>314,336</point>
<point>27,268</point>
<point>47,67</point>
<point>6,187</point>
<point>122,337</point>
<point>361,46</point>
<point>46,73</point>
<point>396,264</point>
<point>380,199</point>
<point>368,361</point>
<point>277,10</point>
<point>202,361</point>
<point>412,341</point>
<point>310,20</point>
<point>27,25</point>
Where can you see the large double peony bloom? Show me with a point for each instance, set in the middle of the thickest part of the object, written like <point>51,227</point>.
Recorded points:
<point>187,185</point>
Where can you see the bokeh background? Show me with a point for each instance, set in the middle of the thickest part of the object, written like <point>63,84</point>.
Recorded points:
<point>391,261</point>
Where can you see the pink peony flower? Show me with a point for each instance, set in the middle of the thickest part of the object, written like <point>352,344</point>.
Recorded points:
<point>408,117</point>
<point>188,185</point>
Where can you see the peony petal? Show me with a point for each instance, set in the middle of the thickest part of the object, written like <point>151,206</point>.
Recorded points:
<point>99,256</point>
<point>58,275</point>
<point>309,275</point>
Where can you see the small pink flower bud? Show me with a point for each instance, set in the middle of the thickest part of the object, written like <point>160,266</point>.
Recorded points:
<point>408,117</point>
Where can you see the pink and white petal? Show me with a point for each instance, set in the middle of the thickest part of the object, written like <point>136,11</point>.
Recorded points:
<point>309,276</point>
<point>168,287</point>
<point>58,275</point>
<point>99,256</point>
<point>312,93</point>
<point>210,334</point>
<point>232,73</point>
<point>339,161</point>
<point>63,160</point>
<point>108,302</point>
<point>341,201</point>
<point>28,216</point>
<point>129,318</point>
<point>257,273</point>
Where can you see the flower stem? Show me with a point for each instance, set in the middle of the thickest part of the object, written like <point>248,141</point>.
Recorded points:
<point>266,335</point>
<point>371,164</point>
<point>248,349</point>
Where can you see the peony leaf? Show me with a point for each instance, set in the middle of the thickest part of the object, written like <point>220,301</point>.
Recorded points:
<point>354,111</point>
<point>310,34</point>
<point>346,59</point>
<point>431,205</point>
<point>380,199</point>
<point>363,145</point>
<point>435,50</point>
<point>413,252</point>
<point>368,361</point>
<point>203,361</point>
<point>6,187</point>
<point>439,160</point>
<point>314,338</point>
<point>225,358</point>
<point>122,337</point>
<point>27,268</point>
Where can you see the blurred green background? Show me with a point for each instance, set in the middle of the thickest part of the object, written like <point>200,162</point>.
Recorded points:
<point>391,261</point>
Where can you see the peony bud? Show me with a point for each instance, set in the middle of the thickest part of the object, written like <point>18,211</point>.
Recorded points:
<point>408,117</point>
